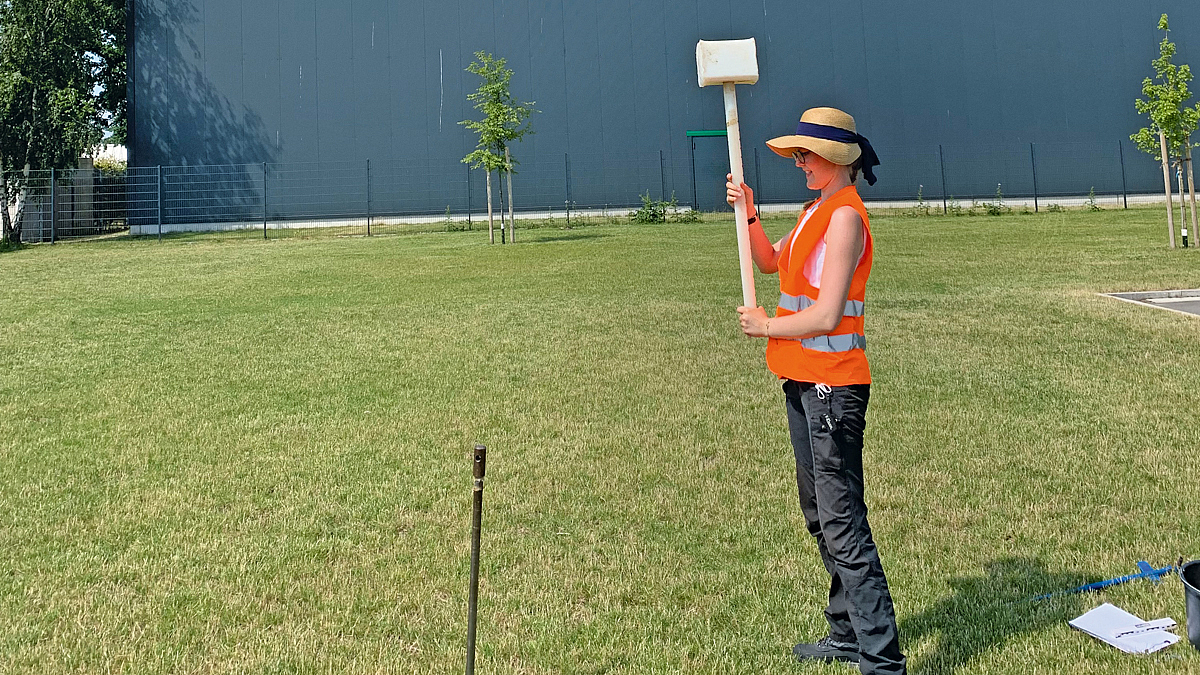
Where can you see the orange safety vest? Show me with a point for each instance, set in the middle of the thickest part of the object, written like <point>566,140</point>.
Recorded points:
<point>839,357</point>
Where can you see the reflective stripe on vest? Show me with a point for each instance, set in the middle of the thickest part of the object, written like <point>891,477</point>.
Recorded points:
<point>835,343</point>
<point>796,303</point>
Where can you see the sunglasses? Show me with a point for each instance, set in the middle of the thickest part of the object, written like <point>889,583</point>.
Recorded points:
<point>801,156</point>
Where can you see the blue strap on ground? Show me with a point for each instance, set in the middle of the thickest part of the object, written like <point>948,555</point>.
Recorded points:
<point>1146,571</point>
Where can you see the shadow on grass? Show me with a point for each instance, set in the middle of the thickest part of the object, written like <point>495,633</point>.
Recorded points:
<point>985,612</point>
<point>572,236</point>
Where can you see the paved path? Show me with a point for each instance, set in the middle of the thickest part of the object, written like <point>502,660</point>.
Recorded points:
<point>1186,301</point>
<point>1189,305</point>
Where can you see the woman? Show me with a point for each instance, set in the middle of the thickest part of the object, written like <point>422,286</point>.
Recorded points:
<point>816,345</point>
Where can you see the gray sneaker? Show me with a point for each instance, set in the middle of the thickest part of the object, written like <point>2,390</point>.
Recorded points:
<point>826,650</point>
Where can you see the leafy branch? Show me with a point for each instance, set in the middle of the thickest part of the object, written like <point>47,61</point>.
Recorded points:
<point>1166,98</point>
<point>505,119</point>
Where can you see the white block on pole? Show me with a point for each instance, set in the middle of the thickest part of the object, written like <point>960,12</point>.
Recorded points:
<point>726,61</point>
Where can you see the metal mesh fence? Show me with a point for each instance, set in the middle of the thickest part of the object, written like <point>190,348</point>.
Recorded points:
<point>72,204</point>
<point>365,197</point>
<point>1033,174</point>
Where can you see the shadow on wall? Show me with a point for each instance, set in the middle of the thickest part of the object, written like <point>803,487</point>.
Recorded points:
<point>189,121</point>
<point>985,612</point>
<point>182,119</point>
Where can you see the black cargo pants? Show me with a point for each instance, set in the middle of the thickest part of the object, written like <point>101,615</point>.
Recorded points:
<point>826,425</point>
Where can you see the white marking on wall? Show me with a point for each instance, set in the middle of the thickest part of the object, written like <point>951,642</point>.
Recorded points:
<point>301,81</point>
<point>442,90</point>
<point>372,35</point>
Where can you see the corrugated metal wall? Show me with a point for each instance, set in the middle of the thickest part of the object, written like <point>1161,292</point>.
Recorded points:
<point>343,81</point>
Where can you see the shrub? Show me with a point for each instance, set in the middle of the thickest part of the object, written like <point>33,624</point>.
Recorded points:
<point>652,211</point>
<point>109,167</point>
<point>659,211</point>
<point>996,208</point>
<point>688,215</point>
<point>922,207</point>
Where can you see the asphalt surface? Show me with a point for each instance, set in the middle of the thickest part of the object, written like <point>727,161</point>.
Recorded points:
<point>1186,301</point>
<point>1189,305</point>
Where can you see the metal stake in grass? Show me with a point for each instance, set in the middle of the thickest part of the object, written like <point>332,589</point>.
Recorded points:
<point>479,464</point>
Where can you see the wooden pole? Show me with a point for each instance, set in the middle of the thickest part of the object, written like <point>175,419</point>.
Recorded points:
<point>1182,202</point>
<point>478,468</point>
<point>491,232</point>
<point>500,191</point>
<point>1162,139</point>
<point>1191,188</point>
<point>512,223</point>
<point>733,135</point>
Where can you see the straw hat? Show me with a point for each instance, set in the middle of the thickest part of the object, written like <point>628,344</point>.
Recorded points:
<point>834,151</point>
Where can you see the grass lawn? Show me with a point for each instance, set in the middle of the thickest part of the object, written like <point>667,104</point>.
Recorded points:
<point>222,455</point>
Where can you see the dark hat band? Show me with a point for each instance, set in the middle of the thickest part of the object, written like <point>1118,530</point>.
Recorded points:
<point>870,160</point>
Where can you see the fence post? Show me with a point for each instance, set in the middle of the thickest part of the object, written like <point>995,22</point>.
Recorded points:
<point>1033,163</point>
<point>567,168</point>
<point>662,175</point>
<point>159,190</point>
<point>695,197</point>
<point>53,203</point>
<point>74,204</point>
<point>1124,190</point>
<point>468,198</point>
<point>368,196</point>
<point>264,200</point>
<point>757,178</point>
<point>942,163</point>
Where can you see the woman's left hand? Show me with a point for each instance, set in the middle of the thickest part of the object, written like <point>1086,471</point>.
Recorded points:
<point>754,321</point>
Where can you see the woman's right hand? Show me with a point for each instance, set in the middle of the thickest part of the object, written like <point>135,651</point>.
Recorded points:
<point>735,192</point>
<point>765,254</point>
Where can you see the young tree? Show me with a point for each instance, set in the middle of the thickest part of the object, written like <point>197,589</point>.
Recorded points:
<point>59,60</point>
<point>505,120</point>
<point>1172,122</point>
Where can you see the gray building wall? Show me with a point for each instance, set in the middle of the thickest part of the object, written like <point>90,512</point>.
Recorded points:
<point>317,88</point>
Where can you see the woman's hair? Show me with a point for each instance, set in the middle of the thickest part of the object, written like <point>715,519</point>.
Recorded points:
<point>855,168</point>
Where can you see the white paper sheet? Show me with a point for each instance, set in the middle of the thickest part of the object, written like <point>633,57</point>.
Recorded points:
<point>1108,619</point>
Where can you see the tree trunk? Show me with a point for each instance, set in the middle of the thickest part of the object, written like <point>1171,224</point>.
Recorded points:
<point>512,222</point>
<point>491,232</point>
<point>1162,138</point>
<point>4,221</point>
<point>10,224</point>
<point>1191,187</point>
